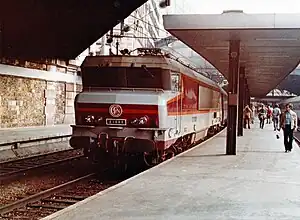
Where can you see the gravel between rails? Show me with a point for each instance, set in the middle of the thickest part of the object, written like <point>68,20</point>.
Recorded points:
<point>42,180</point>
<point>18,168</point>
<point>64,197</point>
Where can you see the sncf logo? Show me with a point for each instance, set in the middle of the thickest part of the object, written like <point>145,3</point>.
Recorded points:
<point>115,111</point>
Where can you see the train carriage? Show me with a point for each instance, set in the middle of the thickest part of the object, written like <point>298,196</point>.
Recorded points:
<point>147,105</point>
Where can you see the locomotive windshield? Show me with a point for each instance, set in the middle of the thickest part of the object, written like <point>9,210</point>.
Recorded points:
<point>125,77</point>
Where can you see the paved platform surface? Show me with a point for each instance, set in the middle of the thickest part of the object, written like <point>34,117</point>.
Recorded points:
<point>18,134</point>
<point>260,182</point>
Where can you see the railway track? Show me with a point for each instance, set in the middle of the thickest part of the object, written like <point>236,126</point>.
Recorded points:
<point>297,137</point>
<point>49,201</point>
<point>12,169</point>
<point>59,197</point>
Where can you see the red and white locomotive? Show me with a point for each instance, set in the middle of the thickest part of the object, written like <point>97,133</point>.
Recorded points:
<point>146,105</point>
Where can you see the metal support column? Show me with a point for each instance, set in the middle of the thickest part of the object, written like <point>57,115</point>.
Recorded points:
<point>245,96</point>
<point>245,92</point>
<point>234,56</point>
<point>241,101</point>
<point>248,96</point>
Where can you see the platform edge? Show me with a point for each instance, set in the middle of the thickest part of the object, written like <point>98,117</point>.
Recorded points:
<point>68,209</point>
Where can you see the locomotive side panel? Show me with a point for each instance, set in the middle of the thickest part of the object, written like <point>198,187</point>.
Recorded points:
<point>196,109</point>
<point>201,107</point>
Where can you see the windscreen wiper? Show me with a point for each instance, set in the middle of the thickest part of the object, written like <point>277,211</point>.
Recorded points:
<point>145,68</point>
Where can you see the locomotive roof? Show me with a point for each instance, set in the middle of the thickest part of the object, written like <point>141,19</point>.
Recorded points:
<point>150,61</point>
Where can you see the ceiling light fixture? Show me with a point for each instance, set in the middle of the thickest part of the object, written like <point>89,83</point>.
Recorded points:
<point>216,48</point>
<point>271,66</point>
<point>226,61</point>
<point>276,39</point>
<point>274,56</point>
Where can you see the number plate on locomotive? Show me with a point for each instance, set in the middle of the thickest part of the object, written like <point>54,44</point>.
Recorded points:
<point>113,121</point>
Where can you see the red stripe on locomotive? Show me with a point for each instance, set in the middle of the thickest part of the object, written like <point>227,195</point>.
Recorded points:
<point>130,112</point>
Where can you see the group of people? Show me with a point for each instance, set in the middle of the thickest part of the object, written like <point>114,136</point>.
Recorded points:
<point>271,114</point>
<point>285,120</point>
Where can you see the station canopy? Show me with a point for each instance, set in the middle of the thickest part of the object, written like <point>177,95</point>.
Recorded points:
<point>269,43</point>
<point>34,30</point>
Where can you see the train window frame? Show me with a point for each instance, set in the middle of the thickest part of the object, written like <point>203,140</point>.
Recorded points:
<point>175,82</point>
<point>126,77</point>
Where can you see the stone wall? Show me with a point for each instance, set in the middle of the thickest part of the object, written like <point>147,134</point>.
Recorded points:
<point>32,102</point>
<point>70,95</point>
<point>30,96</point>
<point>21,102</point>
<point>60,103</point>
<point>71,91</point>
<point>55,95</point>
<point>78,88</point>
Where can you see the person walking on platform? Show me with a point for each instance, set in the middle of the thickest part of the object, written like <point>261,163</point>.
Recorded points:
<point>247,116</point>
<point>262,115</point>
<point>253,113</point>
<point>288,123</point>
<point>276,116</point>
<point>269,115</point>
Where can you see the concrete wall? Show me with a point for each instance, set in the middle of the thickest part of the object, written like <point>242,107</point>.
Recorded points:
<point>31,97</point>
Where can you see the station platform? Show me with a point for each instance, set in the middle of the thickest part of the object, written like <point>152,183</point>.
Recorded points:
<point>260,182</point>
<point>28,133</point>
<point>41,144</point>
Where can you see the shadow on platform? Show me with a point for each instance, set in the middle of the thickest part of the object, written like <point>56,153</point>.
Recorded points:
<point>260,151</point>
<point>207,155</point>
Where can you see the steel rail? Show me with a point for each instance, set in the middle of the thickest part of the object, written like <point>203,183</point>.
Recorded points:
<point>33,157</point>
<point>41,195</point>
<point>16,172</point>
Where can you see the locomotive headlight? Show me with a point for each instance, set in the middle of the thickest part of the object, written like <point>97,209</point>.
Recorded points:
<point>143,120</point>
<point>99,119</point>
<point>140,121</point>
<point>134,121</point>
<point>89,119</point>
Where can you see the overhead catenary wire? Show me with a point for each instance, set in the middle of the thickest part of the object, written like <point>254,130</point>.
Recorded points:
<point>145,36</point>
<point>146,22</point>
<point>177,58</point>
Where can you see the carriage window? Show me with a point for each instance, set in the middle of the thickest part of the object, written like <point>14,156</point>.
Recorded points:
<point>205,98</point>
<point>215,99</point>
<point>175,85</point>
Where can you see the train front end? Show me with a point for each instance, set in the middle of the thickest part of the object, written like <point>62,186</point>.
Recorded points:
<point>125,125</point>
<point>117,113</point>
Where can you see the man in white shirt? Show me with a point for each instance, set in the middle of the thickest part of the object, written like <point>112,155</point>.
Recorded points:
<point>288,122</point>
